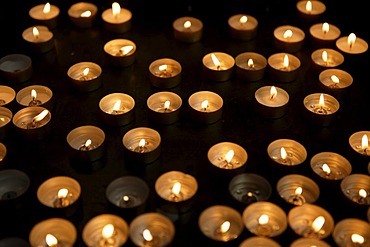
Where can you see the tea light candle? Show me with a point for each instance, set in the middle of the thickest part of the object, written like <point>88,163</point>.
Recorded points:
<point>151,229</point>
<point>6,116</point>
<point>206,106</point>
<point>53,232</point>
<point>16,68</point>
<point>2,153</point>
<point>117,109</point>
<point>187,29</point>
<point>327,58</point>
<point>85,76</point>
<point>86,143</point>
<point>257,241</point>
<point>287,152</point>
<point>35,95</point>
<point>324,34</point>
<point>33,122</point>
<point>117,19</point>
<point>356,187</point>
<point>248,188</point>
<point>352,44</point>
<point>321,108</point>
<point>336,82</point>
<point>40,38</point>
<point>218,66</point>
<point>250,66</point>
<point>359,142</point>
<point>351,232</point>
<point>7,95</point>
<point>311,221</point>
<point>298,189</point>
<point>105,230</point>
<point>272,102</point>
<point>310,10</point>
<point>331,166</point>
<point>165,73</point>
<point>45,14</point>
<point>142,144</point>
<point>283,67</point>
<point>120,52</point>
<point>265,219</point>
<point>288,38</point>
<point>13,186</point>
<point>242,27</point>
<point>82,14</point>
<point>227,156</point>
<point>220,223</point>
<point>308,242</point>
<point>164,107</point>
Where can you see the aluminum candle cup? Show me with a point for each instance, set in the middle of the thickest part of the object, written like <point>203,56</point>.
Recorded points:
<point>86,143</point>
<point>311,221</point>
<point>351,44</point>
<point>117,19</point>
<point>85,76</point>
<point>5,122</point>
<point>83,14</point>
<point>187,29</point>
<point>7,96</point>
<point>165,73</point>
<point>356,187</point>
<point>310,11</point>
<point>324,34</point>
<point>283,67</point>
<point>35,95</point>
<point>287,152</point>
<point>164,107</point>
<point>33,122</point>
<point>105,230</point>
<point>13,187</point>
<point>259,242</point>
<point>45,14</point>
<point>120,52</point>
<point>152,229</point>
<point>242,27</point>
<point>351,232</point>
<point>265,219</point>
<point>326,58</point>
<point>288,38</point>
<point>218,66</point>
<point>16,68</point>
<point>250,66</point>
<point>297,189</point>
<point>117,109</point>
<point>321,108</point>
<point>308,242</point>
<point>13,241</point>
<point>62,231</point>
<point>359,142</point>
<point>336,82</point>
<point>2,153</point>
<point>271,102</point>
<point>142,145</point>
<point>331,166</point>
<point>221,223</point>
<point>206,106</point>
<point>39,38</point>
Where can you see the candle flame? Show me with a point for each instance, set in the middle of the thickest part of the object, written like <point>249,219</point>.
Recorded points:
<point>357,238</point>
<point>107,231</point>
<point>33,94</point>
<point>116,9</point>
<point>318,223</point>
<point>334,78</point>
<point>176,188</point>
<point>215,60</point>
<point>142,143</point>
<point>283,153</point>
<point>147,235</point>
<point>126,49</point>
<point>126,198</point>
<point>298,191</point>
<point>167,104</point>
<point>243,19</point>
<point>225,226</point>
<point>229,156</point>
<point>324,56</point>
<point>35,32</point>
<point>364,142</point>
<point>351,39</point>
<point>62,193</point>
<point>162,67</point>
<point>362,193</point>
<point>187,24</point>
<point>51,240</point>
<point>273,92</point>
<point>288,34</point>
<point>117,105</point>
<point>263,219</point>
<point>321,100</point>
<point>86,71</point>
<point>46,9</point>
<point>250,63</point>
<point>2,119</point>
<point>326,169</point>
<point>308,6</point>
<point>325,27</point>
<point>87,13</point>
<point>286,61</point>
<point>204,105</point>
<point>40,116</point>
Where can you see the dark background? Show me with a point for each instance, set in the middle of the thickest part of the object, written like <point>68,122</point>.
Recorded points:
<point>185,143</point>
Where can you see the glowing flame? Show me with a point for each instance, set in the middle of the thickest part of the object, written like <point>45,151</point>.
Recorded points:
<point>51,240</point>
<point>88,143</point>
<point>176,188</point>
<point>215,60</point>
<point>147,235</point>
<point>126,49</point>
<point>334,79</point>
<point>87,13</point>
<point>86,71</point>
<point>318,223</point>
<point>33,94</point>
<point>324,56</point>
<point>286,61</point>
<point>298,191</point>
<point>162,67</point>
<point>263,219</point>
<point>116,9</point>
<point>62,193</point>
<point>187,24</point>
<point>126,198</point>
<point>229,156</point>
<point>142,143</point>
<point>308,6</point>
<point>167,104</point>
<point>225,226</point>
<point>107,231</point>
<point>40,116</point>
<point>325,27</point>
<point>364,142</point>
<point>204,105</point>
<point>326,169</point>
<point>357,238</point>
<point>117,105</point>
<point>351,39</point>
<point>362,193</point>
<point>283,153</point>
<point>46,9</point>
<point>243,19</point>
<point>273,92</point>
<point>288,34</point>
<point>250,63</point>
<point>321,100</point>
<point>35,32</point>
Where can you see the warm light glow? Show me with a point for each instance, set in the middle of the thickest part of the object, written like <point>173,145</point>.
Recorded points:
<point>162,67</point>
<point>321,100</point>
<point>126,49</point>
<point>318,223</point>
<point>126,198</point>
<point>288,34</point>
<point>362,193</point>
<point>35,32</point>
<point>325,27</point>
<point>147,235</point>
<point>187,24</point>
<point>116,9</point>
<point>225,226</point>
<point>46,9</point>
<point>62,193</point>
<point>243,19</point>
<point>87,13</point>
<point>357,238</point>
<point>40,116</point>
<point>286,61</point>
<point>107,231</point>
<point>33,94</point>
<point>204,105</point>
<point>86,71</point>
<point>117,105</point>
<point>308,6</point>
<point>51,240</point>
<point>215,60</point>
<point>273,92</point>
<point>351,39</point>
<point>250,63</point>
<point>167,104</point>
<point>142,143</point>
<point>298,191</point>
<point>176,188</point>
<point>364,142</point>
<point>326,169</point>
<point>229,156</point>
<point>87,143</point>
<point>283,153</point>
<point>324,56</point>
<point>334,78</point>
<point>263,219</point>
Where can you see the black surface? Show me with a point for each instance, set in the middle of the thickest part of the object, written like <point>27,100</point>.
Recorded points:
<point>185,143</point>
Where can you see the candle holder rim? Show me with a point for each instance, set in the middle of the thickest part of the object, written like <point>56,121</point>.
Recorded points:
<point>37,86</point>
<point>20,175</point>
<point>152,96</point>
